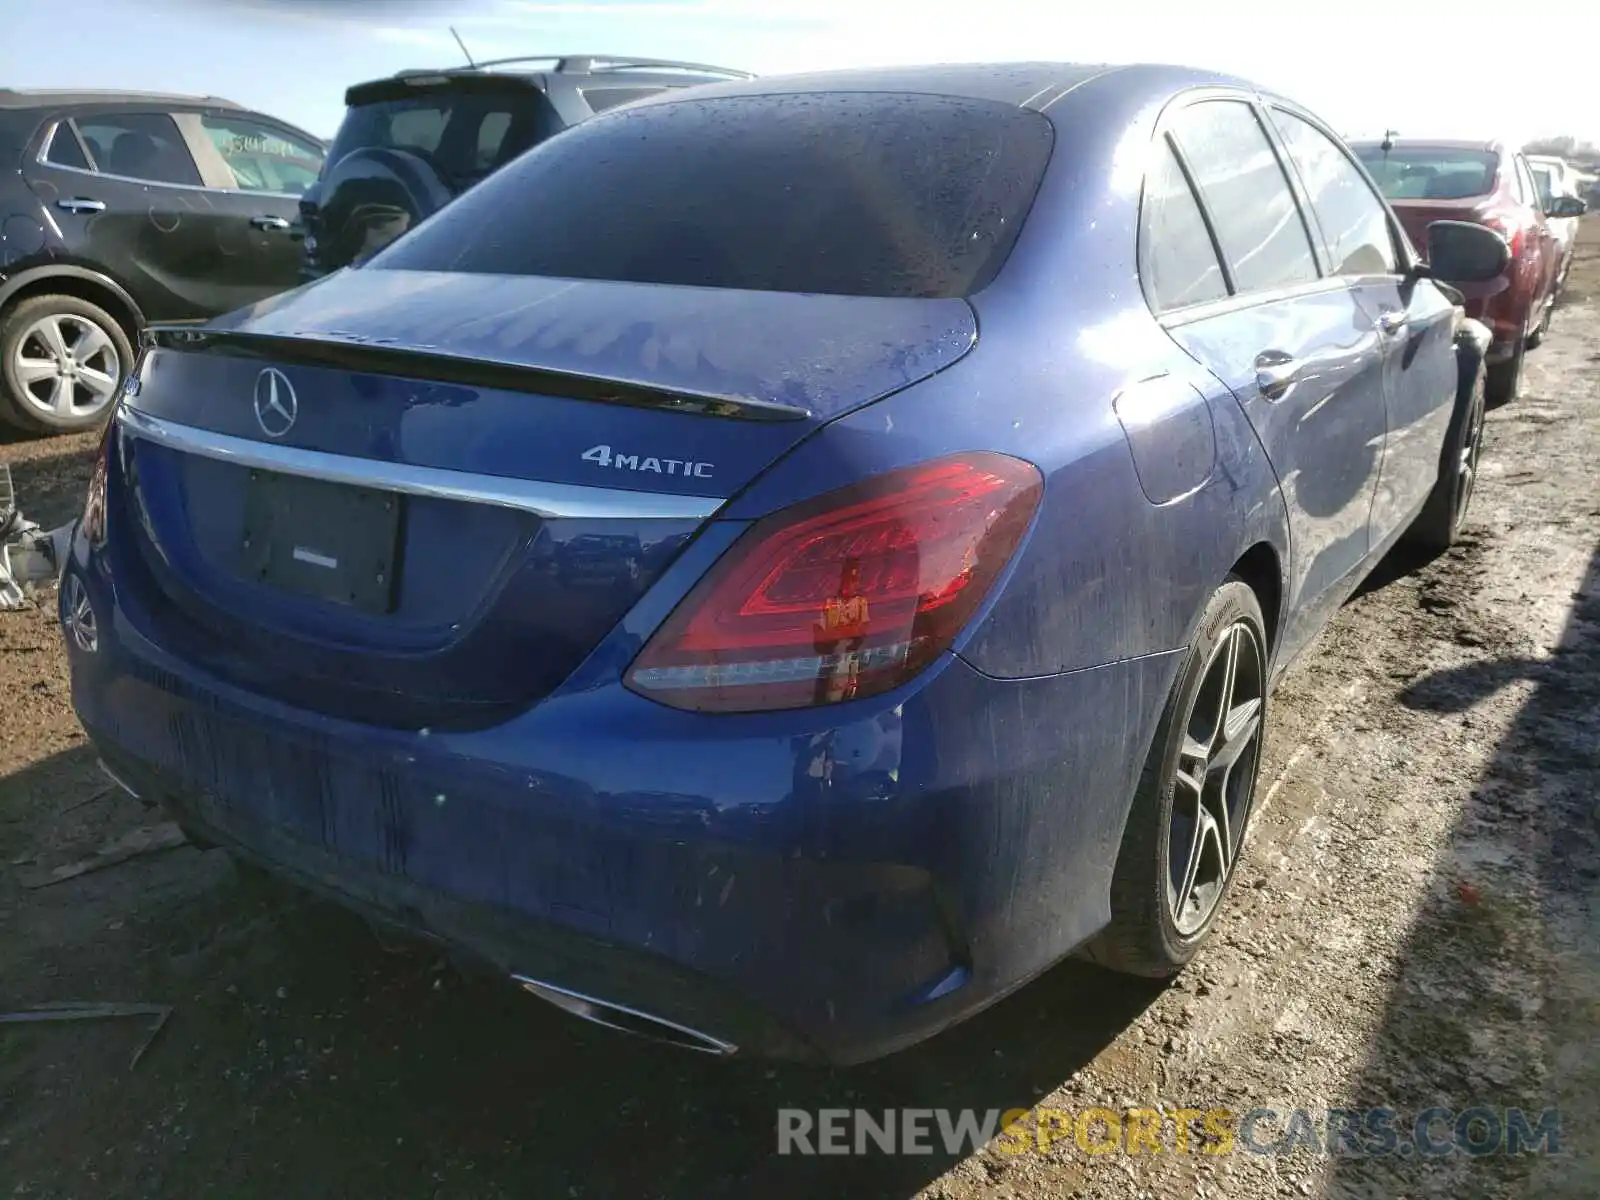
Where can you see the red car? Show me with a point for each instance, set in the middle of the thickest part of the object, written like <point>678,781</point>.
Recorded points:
<point>1488,183</point>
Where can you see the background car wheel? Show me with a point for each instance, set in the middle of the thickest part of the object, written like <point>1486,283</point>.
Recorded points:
<point>62,361</point>
<point>1439,524</point>
<point>1536,338</point>
<point>1186,826</point>
<point>1505,379</point>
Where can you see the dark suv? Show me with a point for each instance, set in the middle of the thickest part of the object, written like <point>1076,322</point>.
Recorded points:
<point>118,208</point>
<point>411,143</point>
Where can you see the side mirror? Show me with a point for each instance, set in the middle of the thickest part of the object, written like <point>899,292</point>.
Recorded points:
<point>1565,206</point>
<point>1461,252</point>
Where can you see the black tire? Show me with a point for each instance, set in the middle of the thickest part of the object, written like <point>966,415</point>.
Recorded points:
<point>21,406</point>
<point>1505,379</point>
<point>1439,523</point>
<point>1153,932</point>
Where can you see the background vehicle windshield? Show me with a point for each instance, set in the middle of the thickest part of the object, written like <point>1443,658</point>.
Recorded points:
<point>864,194</point>
<point>1430,173</point>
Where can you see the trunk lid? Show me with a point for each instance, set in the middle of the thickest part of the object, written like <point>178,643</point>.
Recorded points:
<point>1416,215</point>
<point>421,499</point>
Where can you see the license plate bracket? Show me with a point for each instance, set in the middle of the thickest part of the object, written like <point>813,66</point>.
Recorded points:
<point>328,541</point>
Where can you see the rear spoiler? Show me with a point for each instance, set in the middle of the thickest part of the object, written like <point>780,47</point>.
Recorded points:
<point>350,354</point>
<point>410,83</point>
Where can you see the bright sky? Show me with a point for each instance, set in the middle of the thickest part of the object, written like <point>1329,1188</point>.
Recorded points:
<point>1456,68</point>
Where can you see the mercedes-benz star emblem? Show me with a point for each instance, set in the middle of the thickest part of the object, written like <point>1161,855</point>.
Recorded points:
<point>276,404</point>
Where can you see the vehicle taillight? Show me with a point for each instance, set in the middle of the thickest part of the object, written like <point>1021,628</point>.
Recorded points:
<point>844,596</point>
<point>93,521</point>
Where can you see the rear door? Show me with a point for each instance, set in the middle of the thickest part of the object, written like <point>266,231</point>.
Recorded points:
<point>1415,323</point>
<point>1539,232</point>
<point>259,170</point>
<point>129,199</point>
<point>1294,345</point>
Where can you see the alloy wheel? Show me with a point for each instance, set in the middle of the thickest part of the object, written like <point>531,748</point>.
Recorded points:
<point>66,366</point>
<point>77,614</point>
<point>1215,779</point>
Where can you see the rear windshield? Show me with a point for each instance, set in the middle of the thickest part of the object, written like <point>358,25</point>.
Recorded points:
<point>857,194</point>
<point>1430,172</point>
<point>462,135</point>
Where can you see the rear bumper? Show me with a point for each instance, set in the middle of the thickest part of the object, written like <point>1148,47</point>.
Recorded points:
<point>832,884</point>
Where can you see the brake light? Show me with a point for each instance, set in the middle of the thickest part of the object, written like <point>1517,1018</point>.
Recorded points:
<point>93,520</point>
<point>844,596</point>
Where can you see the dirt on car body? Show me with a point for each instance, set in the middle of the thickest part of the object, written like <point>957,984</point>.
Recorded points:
<point>1414,930</point>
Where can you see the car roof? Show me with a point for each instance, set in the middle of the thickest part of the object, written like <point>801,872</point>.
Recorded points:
<point>70,98</point>
<point>1038,85</point>
<point>1417,143</point>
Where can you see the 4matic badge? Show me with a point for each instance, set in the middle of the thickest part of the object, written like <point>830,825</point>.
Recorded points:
<point>602,456</point>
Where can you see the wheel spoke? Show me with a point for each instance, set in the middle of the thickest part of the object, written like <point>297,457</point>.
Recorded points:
<point>98,382</point>
<point>1213,845</point>
<point>49,332</point>
<point>91,343</point>
<point>61,396</point>
<point>31,370</point>
<point>1230,679</point>
<point>1239,729</point>
<point>1191,867</point>
<point>1192,765</point>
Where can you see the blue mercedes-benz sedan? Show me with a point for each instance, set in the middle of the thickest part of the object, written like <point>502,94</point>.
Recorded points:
<point>781,564</point>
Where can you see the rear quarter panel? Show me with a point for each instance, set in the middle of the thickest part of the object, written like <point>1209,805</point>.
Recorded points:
<point>1109,570</point>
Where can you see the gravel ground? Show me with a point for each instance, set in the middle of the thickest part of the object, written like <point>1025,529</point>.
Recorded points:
<point>1415,926</point>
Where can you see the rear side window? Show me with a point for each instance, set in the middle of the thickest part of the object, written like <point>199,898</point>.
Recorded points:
<point>1430,172</point>
<point>145,146</point>
<point>64,150</point>
<point>1257,220</point>
<point>1180,261</point>
<point>860,194</point>
<point>1352,218</point>
<point>262,157</point>
<point>461,134</point>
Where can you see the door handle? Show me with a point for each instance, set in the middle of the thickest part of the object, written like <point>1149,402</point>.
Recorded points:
<point>1276,373</point>
<point>277,224</point>
<point>79,204</point>
<point>1391,322</point>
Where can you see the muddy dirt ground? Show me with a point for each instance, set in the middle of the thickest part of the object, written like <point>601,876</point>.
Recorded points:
<point>1416,925</point>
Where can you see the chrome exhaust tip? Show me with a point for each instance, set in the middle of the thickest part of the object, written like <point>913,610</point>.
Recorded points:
<point>118,780</point>
<point>625,1020</point>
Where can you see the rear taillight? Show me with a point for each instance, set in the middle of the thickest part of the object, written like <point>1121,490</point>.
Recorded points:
<point>93,521</point>
<point>844,596</point>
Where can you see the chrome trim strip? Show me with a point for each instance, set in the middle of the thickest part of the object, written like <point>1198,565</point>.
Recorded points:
<point>549,500</point>
<point>595,1010</point>
<point>117,779</point>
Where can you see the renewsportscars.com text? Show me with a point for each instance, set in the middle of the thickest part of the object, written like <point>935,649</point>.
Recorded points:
<point>1370,1132</point>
